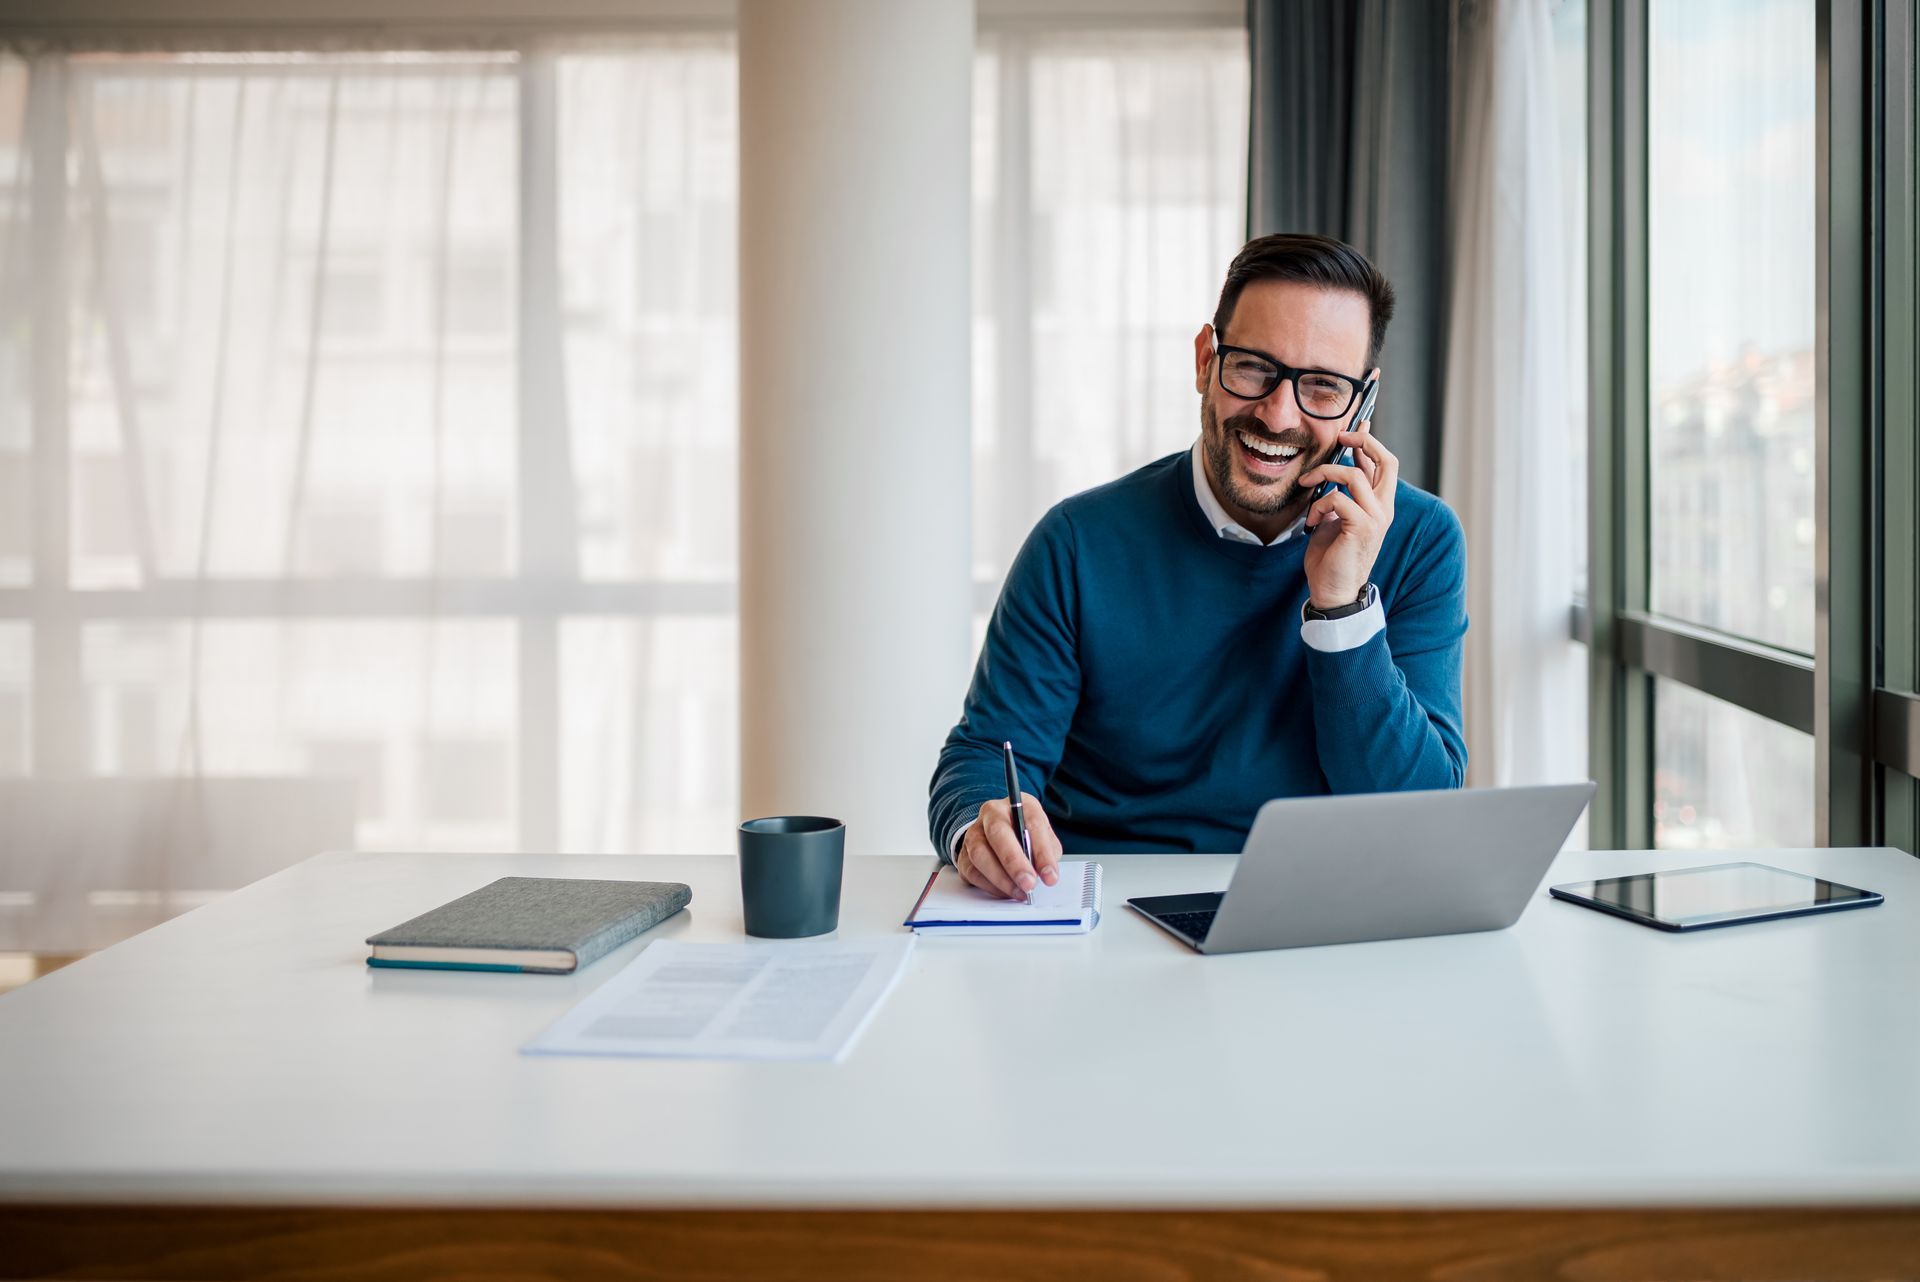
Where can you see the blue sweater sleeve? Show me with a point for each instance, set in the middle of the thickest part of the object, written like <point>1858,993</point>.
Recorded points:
<point>1025,686</point>
<point>1387,714</point>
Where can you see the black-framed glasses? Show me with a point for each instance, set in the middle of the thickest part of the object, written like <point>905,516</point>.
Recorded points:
<point>1252,376</point>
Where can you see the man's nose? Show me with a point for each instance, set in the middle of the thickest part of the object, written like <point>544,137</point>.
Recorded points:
<point>1279,409</point>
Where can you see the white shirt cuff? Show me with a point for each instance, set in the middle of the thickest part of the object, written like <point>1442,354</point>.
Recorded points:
<point>1332,635</point>
<point>953,842</point>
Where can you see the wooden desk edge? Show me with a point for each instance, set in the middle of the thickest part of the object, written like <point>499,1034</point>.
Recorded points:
<point>417,1244</point>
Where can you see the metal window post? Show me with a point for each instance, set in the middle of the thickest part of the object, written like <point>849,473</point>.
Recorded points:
<point>1846,505</point>
<point>1620,723</point>
<point>1898,536</point>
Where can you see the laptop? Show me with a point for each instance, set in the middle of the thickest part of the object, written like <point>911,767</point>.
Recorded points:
<point>1386,865</point>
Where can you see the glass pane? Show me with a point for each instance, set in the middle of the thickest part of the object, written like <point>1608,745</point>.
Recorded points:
<point>648,165</point>
<point>292,288</point>
<point>1725,777</point>
<point>1135,173</point>
<point>650,735</point>
<point>1731,314</point>
<point>420,716</point>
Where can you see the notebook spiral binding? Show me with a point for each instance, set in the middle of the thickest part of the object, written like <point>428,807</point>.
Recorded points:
<point>1090,892</point>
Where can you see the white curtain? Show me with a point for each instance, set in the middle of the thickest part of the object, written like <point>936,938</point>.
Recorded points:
<point>1110,177</point>
<point>1511,456</point>
<point>367,430</point>
<point>367,450</point>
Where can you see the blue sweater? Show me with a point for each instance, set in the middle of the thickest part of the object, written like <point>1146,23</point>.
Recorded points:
<point>1153,682</point>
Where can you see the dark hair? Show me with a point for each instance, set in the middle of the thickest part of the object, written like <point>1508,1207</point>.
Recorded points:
<point>1312,260</point>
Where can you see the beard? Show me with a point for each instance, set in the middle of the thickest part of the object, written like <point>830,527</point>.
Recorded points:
<point>1264,495</point>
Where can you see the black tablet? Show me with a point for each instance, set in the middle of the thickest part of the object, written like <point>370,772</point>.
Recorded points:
<point>1718,895</point>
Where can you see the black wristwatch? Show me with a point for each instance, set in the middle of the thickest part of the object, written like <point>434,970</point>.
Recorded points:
<point>1368,595</point>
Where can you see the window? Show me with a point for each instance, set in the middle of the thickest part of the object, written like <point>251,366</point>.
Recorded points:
<point>1110,195</point>
<point>1730,418</point>
<point>1725,777</point>
<point>1730,281</point>
<point>345,509</point>
<point>1757,376</point>
<point>331,516</point>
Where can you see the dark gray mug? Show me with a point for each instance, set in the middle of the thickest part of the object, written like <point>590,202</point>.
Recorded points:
<point>790,875</point>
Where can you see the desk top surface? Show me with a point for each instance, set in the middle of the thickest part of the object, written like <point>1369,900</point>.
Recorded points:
<point>245,1053</point>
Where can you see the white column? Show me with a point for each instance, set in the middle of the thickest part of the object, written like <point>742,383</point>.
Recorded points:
<point>855,137</point>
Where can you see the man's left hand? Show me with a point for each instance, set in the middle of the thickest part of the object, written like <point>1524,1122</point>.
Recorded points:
<point>1346,529</point>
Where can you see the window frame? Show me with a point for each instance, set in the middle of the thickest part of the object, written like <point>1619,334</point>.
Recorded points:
<point>1894,714</point>
<point>1856,694</point>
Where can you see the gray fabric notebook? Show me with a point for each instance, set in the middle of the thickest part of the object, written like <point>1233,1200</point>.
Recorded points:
<point>547,924</point>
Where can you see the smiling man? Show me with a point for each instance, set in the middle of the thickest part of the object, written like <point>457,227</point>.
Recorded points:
<point>1174,648</point>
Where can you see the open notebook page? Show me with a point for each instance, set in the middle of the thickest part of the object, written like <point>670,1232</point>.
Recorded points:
<point>1073,898</point>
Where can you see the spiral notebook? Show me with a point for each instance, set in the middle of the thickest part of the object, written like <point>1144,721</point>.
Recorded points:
<point>949,906</point>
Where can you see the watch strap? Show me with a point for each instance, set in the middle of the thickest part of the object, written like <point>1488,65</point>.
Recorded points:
<point>1368,595</point>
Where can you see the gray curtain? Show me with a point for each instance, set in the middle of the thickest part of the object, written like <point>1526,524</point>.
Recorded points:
<point>1349,138</point>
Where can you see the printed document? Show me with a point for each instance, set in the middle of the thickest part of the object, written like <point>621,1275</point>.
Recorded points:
<point>781,999</point>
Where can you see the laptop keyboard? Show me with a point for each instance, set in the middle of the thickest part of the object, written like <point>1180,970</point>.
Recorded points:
<point>1192,925</point>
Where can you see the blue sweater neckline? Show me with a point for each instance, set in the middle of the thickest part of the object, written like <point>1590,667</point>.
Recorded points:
<point>1179,475</point>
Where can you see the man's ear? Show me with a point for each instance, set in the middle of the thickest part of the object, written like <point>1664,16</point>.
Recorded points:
<point>1202,358</point>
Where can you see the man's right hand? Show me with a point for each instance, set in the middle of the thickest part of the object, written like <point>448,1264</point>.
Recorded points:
<point>990,856</point>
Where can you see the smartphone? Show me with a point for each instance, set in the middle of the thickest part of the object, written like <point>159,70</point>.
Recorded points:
<point>1365,415</point>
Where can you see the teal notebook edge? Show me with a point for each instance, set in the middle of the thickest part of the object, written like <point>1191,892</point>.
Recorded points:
<point>386,964</point>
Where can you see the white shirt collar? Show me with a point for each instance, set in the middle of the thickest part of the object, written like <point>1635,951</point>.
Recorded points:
<point>1223,525</point>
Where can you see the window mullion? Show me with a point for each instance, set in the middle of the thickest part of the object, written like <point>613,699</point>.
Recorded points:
<point>1620,746</point>
<point>545,526</point>
<point>1899,532</point>
<point>1762,679</point>
<point>1845,506</point>
<point>59,711</point>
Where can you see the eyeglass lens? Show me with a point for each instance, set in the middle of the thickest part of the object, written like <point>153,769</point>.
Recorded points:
<point>1320,395</point>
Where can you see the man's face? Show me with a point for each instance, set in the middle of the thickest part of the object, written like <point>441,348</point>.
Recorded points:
<point>1302,325</point>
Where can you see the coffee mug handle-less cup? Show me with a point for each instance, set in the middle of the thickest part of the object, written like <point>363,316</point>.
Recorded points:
<point>790,868</point>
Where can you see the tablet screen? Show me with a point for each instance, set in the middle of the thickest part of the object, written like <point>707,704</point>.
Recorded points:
<point>1718,893</point>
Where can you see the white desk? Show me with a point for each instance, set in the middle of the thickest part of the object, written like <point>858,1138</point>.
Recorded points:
<point>244,1055</point>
